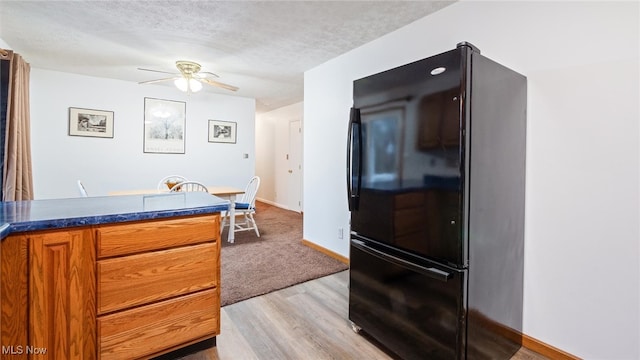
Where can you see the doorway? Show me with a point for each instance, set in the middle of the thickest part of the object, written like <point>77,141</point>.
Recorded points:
<point>294,167</point>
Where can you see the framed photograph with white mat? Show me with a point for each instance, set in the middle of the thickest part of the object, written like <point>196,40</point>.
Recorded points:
<point>222,131</point>
<point>89,122</point>
<point>164,126</point>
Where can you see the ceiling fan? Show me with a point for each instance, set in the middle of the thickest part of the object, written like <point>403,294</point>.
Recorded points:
<point>190,78</point>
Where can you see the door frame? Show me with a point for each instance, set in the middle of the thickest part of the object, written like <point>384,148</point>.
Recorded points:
<point>294,171</point>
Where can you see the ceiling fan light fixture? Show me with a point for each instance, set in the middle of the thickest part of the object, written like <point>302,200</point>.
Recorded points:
<point>195,85</point>
<point>188,85</point>
<point>182,84</point>
<point>189,79</point>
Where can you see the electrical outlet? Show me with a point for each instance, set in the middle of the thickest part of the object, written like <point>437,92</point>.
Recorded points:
<point>340,233</point>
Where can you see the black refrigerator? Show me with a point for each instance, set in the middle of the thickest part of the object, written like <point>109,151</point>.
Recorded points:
<point>436,191</point>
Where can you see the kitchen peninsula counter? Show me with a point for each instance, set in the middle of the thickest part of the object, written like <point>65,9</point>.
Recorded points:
<point>19,216</point>
<point>117,277</point>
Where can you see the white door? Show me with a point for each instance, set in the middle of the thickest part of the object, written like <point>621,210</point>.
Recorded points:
<point>294,171</point>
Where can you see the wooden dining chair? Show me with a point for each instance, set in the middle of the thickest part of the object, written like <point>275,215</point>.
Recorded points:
<point>168,182</point>
<point>189,186</point>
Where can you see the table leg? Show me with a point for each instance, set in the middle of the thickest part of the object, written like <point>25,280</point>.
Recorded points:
<point>232,218</point>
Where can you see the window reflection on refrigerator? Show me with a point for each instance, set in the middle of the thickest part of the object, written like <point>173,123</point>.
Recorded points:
<point>382,141</point>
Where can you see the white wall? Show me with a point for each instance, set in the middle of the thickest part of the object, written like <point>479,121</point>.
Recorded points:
<point>106,165</point>
<point>582,268</point>
<point>266,157</point>
<point>272,147</point>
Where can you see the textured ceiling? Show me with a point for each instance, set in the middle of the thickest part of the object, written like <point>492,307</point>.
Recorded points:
<point>263,47</point>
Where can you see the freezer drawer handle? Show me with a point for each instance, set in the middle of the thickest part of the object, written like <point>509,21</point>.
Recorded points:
<point>432,272</point>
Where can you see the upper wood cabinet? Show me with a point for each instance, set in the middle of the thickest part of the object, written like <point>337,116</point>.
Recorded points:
<point>439,116</point>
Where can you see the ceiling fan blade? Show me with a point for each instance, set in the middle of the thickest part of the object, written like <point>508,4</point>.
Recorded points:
<point>219,84</point>
<point>159,80</point>
<point>207,72</point>
<point>159,71</point>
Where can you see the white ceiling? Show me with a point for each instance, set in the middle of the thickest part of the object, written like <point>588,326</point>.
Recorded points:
<point>263,47</point>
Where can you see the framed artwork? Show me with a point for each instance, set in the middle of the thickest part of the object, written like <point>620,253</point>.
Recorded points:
<point>222,131</point>
<point>89,122</point>
<point>164,126</point>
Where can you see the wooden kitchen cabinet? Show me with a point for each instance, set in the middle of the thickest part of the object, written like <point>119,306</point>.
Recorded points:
<point>158,285</point>
<point>13,291</point>
<point>61,304</point>
<point>48,307</point>
<point>160,326</point>
<point>113,291</point>
<point>155,276</point>
<point>439,120</point>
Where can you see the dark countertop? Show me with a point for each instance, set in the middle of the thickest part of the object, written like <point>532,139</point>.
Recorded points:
<point>20,216</point>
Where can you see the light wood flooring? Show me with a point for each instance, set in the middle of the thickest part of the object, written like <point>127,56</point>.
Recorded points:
<point>306,321</point>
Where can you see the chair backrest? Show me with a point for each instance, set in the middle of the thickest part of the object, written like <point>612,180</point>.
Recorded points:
<point>168,182</point>
<point>251,191</point>
<point>190,186</point>
<point>83,191</point>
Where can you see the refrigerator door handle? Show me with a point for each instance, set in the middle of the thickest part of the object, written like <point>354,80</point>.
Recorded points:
<point>354,159</point>
<point>432,272</point>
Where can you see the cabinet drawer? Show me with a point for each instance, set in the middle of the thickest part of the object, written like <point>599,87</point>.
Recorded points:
<point>154,328</point>
<point>131,238</point>
<point>134,280</point>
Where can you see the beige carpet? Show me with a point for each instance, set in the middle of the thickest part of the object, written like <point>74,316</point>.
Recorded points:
<point>253,266</point>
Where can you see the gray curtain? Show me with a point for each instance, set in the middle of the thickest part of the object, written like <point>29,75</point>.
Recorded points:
<point>17,178</point>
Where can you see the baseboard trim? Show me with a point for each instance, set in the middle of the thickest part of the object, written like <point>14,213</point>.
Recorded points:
<point>545,349</point>
<point>516,337</point>
<point>273,203</point>
<point>326,251</point>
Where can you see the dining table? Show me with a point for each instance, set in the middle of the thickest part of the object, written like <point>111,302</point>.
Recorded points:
<point>225,192</point>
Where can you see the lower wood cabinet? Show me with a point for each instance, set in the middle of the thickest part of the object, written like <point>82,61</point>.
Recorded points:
<point>117,291</point>
<point>155,276</point>
<point>62,313</point>
<point>48,295</point>
<point>146,330</point>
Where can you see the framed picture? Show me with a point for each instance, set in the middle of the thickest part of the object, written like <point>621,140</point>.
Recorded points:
<point>222,131</point>
<point>89,122</point>
<point>164,126</point>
